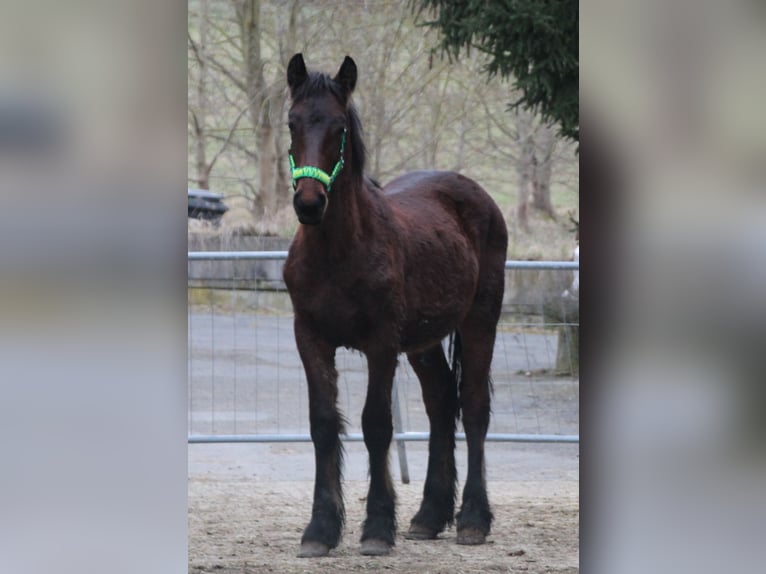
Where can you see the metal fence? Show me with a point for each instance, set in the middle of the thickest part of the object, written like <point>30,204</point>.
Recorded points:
<point>246,382</point>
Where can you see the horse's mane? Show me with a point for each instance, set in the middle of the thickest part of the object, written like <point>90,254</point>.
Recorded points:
<point>318,83</point>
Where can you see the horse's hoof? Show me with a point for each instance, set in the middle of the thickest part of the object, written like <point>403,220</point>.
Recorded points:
<point>471,537</point>
<point>375,547</point>
<point>311,549</point>
<point>418,532</point>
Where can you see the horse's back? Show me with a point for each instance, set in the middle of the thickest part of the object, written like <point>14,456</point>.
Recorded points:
<point>415,180</point>
<point>443,186</point>
<point>422,195</point>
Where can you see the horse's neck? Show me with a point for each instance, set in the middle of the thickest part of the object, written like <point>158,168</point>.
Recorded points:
<point>350,217</point>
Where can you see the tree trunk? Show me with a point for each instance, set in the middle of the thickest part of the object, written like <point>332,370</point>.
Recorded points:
<point>460,148</point>
<point>203,174</point>
<point>287,47</point>
<point>200,115</point>
<point>522,218</point>
<point>378,115</point>
<point>541,178</point>
<point>282,185</point>
<point>524,167</point>
<point>249,16</point>
<point>267,176</point>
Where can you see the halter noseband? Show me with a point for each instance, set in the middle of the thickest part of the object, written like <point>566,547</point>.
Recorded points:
<point>320,175</point>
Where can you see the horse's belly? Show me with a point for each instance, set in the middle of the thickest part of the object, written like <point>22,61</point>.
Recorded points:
<point>437,306</point>
<point>425,333</point>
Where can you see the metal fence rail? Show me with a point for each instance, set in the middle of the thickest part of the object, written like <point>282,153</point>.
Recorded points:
<point>401,435</point>
<point>398,436</point>
<point>280,255</point>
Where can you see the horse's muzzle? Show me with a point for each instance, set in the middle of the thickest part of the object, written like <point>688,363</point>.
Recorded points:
<point>309,210</point>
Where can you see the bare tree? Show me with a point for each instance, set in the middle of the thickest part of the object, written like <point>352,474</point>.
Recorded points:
<point>418,110</point>
<point>229,83</point>
<point>198,113</point>
<point>259,98</point>
<point>204,135</point>
<point>521,139</point>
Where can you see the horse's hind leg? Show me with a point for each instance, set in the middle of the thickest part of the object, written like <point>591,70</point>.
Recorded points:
<point>478,336</point>
<point>440,396</point>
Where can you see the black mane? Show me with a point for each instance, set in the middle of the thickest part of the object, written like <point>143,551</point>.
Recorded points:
<point>317,84</point>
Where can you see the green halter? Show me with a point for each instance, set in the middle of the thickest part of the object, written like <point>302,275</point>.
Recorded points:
<point>326,179</point>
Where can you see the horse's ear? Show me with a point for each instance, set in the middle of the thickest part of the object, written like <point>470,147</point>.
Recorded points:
<point>346,76</point>
<point>296,72</point>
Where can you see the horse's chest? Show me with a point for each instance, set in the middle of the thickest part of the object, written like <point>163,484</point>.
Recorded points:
<point>345,315</point>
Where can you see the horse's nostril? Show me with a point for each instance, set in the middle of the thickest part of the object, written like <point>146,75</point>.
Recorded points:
<point>309,209</point>
<point>317,200</point>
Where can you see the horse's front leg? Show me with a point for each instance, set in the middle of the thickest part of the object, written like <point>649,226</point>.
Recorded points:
<point>327,515</point>
<point>380,525</point>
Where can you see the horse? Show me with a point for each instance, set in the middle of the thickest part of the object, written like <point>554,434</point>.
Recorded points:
<point>386,271</point>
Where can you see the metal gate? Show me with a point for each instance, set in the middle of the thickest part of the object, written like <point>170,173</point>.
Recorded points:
<point>246,383</point>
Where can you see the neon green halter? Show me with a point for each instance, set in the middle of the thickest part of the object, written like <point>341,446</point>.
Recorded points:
<point>320,175</point>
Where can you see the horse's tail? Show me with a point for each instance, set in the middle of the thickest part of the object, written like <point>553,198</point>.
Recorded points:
<point>456,367</point>
<point>455,355</point>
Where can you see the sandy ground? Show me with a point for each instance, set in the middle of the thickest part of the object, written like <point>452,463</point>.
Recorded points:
<point>249,503</point>
<point>243,519</point>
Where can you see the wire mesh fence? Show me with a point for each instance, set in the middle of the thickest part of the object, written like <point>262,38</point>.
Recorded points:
<point>246,381</point>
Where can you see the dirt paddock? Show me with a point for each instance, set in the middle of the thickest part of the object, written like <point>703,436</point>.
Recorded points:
<point>249,503</point>
<point>243,519</point>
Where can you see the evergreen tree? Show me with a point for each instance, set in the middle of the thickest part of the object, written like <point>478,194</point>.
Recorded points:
<point>535,42</point>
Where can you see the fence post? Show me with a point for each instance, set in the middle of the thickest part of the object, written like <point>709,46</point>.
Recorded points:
<point>399,428</point>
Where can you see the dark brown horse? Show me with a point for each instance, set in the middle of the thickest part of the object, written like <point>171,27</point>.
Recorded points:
<point>389,271</point>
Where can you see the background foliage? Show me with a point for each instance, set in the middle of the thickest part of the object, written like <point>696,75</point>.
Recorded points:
<point>419,111</point>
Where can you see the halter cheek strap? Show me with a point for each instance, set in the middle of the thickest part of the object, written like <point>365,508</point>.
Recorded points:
<point>320,175</point>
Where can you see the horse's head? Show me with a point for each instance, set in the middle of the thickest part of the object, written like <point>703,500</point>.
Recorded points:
<point>318,131</point>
